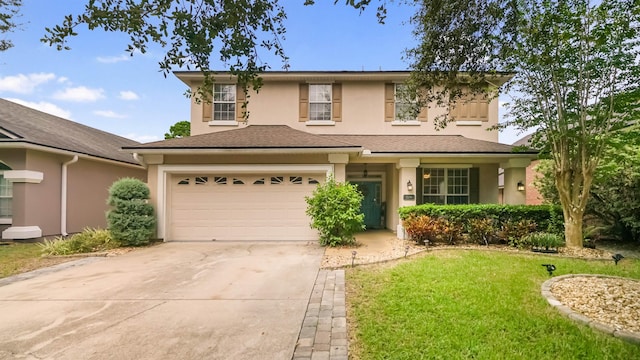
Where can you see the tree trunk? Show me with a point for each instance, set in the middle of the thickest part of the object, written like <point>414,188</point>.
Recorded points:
<point>573,229</point>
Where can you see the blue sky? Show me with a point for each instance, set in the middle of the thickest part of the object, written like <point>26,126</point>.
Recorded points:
<point>98,84</point>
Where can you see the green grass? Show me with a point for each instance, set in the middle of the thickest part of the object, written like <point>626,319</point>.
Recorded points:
<point>473,305</point>
<point>16,258</point>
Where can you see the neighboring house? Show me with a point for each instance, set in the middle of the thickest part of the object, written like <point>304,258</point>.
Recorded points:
<point>55,173</point>
<point>237,180</point>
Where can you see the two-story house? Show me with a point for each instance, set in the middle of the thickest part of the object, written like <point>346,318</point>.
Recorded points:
<point>247,180</point>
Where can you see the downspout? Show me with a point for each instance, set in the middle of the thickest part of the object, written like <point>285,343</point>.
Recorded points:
<point>63,196</point>
<point>140,160</point>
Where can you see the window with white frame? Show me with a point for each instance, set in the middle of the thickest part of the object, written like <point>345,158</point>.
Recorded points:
<point>224,102</point>
<point>6,195</point>
<point>320,102</point>
<point>445,186</point>
<point>403,108</point>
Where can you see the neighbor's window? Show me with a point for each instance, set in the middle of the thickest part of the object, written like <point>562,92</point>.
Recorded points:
<point>6,194</point>
<point>224,102</point>
<point>445,186</point>
<point>403,107</point>
<point>320,102</point>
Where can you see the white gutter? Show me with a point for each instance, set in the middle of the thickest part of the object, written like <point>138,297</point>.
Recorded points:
<point>63,196</point>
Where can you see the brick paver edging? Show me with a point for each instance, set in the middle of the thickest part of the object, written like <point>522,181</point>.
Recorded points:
<point>631,337</point>
<point>324,330</point>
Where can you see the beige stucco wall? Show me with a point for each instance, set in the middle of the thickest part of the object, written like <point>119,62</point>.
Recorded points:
<point>488,178</point>
<point>362,113</point>
<point>16,160</point>
<point>88,184</point>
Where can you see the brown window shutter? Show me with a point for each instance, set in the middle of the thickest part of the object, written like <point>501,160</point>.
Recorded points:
<point>336,102</point>
<point>241,99</point>
<point>483,110</point>
<point>207,110</point>
<point>423,115</point>
<point>389,102</point>
<point>304,102</point>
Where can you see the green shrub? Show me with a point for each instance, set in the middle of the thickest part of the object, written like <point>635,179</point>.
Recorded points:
<point>335,212</point>
<point>514,232</point>
<point>545,216</point>
<point>544,240</point>
<point>131,219</point>
<point>89,240</point>
<point>482,231</point>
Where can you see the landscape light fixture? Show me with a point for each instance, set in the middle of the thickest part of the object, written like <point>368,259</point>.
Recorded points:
<point>353,257</point>
<point>409,186</point>
<point>617,257</point>
<point>550,268</point>
<point>406,250</point>
<point>520,186</point>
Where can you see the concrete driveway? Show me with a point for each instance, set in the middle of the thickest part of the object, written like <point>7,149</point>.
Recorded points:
<point>185,300</point>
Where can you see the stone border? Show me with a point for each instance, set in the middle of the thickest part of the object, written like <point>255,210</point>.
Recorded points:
<point>628,336</point>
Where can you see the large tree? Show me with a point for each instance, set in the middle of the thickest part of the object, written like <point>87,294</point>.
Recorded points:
<point>8,12</point>
<point>179,130</point>
<point>576,74</point>
<point>193,32</point>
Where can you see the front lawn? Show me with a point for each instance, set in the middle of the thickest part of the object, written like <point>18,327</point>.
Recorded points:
<point>472,305</point>
<point>18,258</point>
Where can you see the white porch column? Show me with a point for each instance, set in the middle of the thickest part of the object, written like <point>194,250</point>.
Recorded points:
<point>339,162</point>
<point>406,197</point>
<point>515,171</point>
<point>20,228</point>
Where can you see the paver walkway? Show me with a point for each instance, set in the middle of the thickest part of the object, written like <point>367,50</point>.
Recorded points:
<point>324,331</point>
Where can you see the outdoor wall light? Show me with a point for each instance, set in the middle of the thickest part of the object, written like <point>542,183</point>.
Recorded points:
<point>520,186</point>
<point>409,186</point>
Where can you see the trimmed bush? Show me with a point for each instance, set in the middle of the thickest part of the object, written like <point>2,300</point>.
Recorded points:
<point>547,217</point>
<point>424,229</point>
<point>484,224</point>
<point>131,220</point>
<point>89,240</point>
<point>335,212</point>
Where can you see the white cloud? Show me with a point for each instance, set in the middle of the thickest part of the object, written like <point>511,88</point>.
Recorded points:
<point>142,138</point>
<point>79,94</point>
<point>63,79</point>
<point>44,107</point>
<point>128,95</point>
<point>24,84</point>
<point>109,114</point>
<point>113,59</point>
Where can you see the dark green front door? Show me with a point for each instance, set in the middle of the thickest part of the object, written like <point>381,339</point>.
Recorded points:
<point>372,203</point>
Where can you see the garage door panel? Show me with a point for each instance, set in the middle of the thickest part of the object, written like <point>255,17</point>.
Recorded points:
<point>249,211</point>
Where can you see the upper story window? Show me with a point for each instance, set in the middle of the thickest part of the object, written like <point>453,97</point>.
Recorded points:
<point>403,106</point>
<point>398,109</point>
<point>224,102</point>
<point>445,186</point>
<point>320,102</point>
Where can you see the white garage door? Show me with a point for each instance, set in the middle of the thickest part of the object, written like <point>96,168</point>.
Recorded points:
<point>240,207</point>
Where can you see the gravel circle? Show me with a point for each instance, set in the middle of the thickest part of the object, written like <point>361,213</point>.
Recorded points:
<point>613,301</point>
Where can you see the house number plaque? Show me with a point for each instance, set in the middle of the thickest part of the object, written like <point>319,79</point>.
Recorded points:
<point>409,197</point>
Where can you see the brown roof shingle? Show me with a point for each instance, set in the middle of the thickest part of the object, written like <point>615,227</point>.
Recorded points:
<point>250,137</point>
<point>39,128</point>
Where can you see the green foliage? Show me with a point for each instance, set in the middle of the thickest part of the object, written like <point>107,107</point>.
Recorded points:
<point>131,219</point>
<point>179,130</point>
<point>9,10</point>
<point>482,231</point>
<point>335,212</point>
<point>575,67</point>
<point>89,240</point>
<point>514,232</point>
<point>544,216</point>
<point>543,240</point>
